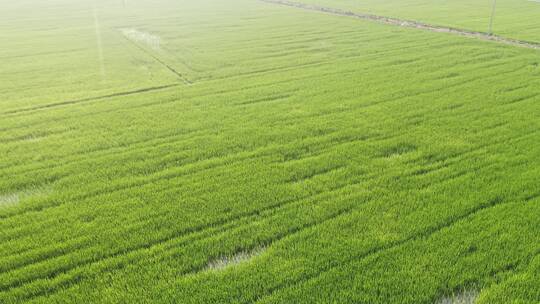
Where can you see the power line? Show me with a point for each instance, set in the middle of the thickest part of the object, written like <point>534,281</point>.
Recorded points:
<point>490,31</point>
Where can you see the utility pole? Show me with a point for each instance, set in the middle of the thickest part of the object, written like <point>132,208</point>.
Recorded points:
<point>490,31</point>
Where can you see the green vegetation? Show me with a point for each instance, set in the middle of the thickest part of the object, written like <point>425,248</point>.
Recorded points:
<point>239,151</point>
<point>516,19</point>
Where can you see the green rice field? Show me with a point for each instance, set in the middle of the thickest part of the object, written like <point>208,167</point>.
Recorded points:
<point>518,19</point>
<point>241,151</point>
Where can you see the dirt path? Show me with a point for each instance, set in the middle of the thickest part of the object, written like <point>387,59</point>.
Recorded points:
<point>409,23</point>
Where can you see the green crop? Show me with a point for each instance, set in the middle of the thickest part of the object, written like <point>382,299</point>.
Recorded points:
<point>240,151</point>
<point>517,19</point>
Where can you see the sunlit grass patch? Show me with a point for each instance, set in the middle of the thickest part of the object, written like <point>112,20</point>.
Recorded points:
<point>235,259</point>
<point>15,198</point>
<point>463,297</point>
<point>151,40</point>
<point>9,199</point>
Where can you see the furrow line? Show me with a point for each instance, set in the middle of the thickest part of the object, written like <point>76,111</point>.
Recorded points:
<point>355,258</point>
<point>89,99</point>
<point>185,170</point>
<point>219,226</point>
<point>196,268</point>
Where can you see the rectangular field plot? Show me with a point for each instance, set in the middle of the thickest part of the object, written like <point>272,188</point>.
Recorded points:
<point>78,54</point>
<point>518,19</point>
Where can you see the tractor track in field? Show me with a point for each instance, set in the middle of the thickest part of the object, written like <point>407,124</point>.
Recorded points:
<point>409,24</point>
<point>191,235</point>
<point>426,233</point>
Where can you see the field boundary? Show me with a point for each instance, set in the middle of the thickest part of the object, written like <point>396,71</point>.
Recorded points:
<point>164,64</point>
<point>409,24</point>
<point>89,99</point>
